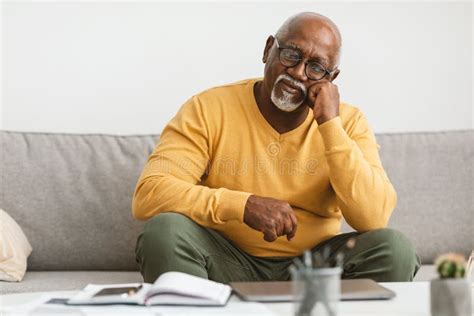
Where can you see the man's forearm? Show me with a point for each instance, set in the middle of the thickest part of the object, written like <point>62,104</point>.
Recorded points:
<point>208,207</point>
<point>364,194</point>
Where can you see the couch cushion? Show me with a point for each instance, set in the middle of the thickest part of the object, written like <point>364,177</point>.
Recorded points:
<point>72,196</point>
<point>36,281</point>
<point>433,176</point>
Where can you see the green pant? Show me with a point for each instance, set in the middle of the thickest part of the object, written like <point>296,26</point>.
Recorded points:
<point>173,242</point>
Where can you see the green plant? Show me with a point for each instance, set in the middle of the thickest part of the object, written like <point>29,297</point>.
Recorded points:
<point>451,265</point>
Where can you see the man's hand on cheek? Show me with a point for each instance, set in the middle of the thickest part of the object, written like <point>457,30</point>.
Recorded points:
<point>272,217</point>
<point>323,99</point>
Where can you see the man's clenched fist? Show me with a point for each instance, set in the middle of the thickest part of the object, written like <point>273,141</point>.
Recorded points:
<point>272,217</point>
<point>323,98</point>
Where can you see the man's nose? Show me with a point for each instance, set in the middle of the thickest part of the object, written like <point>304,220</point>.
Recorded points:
<point>298,72</point>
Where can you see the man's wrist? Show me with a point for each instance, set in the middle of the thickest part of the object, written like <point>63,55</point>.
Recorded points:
<point>324,118</point>
<point>232,205</point>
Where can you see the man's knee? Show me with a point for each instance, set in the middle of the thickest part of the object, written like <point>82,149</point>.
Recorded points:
<point>166,244</point>
<point>402,257</point>
<point>397,242</point>
<point>165,232</point>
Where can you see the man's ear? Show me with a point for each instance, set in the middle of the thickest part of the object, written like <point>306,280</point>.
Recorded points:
<point>334,76</point>
<point>268,46</point>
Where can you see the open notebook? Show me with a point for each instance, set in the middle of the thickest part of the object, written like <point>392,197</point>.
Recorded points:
<point>171,288</point>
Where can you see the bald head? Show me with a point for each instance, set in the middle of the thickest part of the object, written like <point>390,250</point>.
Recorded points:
<point>311,25</point>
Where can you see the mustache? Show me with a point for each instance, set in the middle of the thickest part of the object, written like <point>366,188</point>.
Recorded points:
<point>293,81</point>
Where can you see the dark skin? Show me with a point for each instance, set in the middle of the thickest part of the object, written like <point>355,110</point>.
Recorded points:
<point>317,38</point>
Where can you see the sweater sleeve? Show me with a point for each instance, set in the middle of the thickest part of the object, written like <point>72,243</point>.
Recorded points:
<point>170,179</point>
<point>364,193</point>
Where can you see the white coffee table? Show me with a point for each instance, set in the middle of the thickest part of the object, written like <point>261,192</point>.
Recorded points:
<point>412,299</point>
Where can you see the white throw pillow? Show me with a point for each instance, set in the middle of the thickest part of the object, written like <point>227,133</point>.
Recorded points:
<point>14,249</point>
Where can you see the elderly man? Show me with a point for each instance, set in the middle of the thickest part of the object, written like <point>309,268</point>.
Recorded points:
<point>249,175</point>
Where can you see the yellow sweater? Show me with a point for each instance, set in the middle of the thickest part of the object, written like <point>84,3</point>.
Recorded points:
<point>219,149</point>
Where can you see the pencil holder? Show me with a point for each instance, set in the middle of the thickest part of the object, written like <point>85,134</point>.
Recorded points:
<point>316,291</point>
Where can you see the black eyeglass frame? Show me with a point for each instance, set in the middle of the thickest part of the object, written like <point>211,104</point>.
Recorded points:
<point>281,48</point>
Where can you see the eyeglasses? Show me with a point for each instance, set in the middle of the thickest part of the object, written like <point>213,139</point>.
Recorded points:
<point>290,57</point>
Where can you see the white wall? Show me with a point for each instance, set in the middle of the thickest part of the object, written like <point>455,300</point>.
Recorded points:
<point>125,68</point>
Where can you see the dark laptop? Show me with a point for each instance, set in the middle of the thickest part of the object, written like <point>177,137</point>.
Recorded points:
<point>351,290</point>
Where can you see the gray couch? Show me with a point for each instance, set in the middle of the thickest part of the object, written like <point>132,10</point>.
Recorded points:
<point>72,194</point>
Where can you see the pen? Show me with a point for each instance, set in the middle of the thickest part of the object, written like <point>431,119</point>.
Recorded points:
<point>308,262</point>
<point>298,264</point>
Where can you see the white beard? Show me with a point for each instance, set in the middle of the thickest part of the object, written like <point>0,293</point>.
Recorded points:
<point>285,102</point>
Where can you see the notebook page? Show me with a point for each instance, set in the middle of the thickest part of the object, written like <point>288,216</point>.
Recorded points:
<point>189,285</point>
